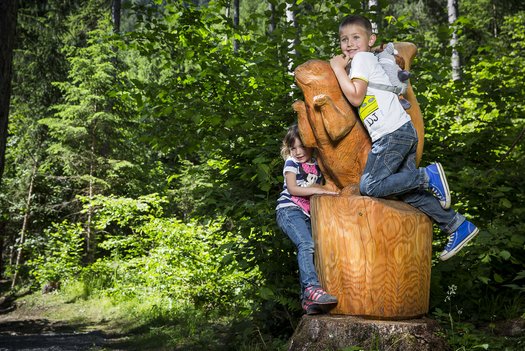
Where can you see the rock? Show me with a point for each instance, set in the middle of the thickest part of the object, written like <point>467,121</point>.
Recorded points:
<point>337,332</point>
<point>512,327</point>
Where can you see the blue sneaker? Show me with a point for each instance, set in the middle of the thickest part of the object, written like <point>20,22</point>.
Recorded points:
<point>465,232</point>
<point>437,184</point>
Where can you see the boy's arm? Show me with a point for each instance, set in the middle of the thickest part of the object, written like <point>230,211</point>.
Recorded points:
<point>353,89</point>
<point>295,190</point>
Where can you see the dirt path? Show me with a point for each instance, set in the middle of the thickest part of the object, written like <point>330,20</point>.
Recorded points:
<point>25,329</point>
<point>41,334</point>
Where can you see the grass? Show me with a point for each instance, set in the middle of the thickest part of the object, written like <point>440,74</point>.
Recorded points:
<point>153,323</point>
<point>146,323</point>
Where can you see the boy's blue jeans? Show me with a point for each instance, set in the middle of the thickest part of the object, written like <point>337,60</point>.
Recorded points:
<point>391,171</point>
<point>294,223</point>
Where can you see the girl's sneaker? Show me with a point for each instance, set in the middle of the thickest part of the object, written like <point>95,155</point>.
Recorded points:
<point>316,300</point>
<point>465,232</point>
<point>437,184</point>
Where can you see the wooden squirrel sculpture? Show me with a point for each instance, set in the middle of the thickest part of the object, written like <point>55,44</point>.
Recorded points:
<point>374,254</point>
<point>330,124</point>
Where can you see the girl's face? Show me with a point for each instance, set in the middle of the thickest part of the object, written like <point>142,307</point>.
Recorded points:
<point>354,38</point>
<point>300,152</point>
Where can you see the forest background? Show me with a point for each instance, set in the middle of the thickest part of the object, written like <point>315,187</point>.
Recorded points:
<point>142,163</point>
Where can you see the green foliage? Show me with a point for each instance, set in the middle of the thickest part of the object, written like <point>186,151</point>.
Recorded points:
<point>57,256</point>
<point>464,335</point>
<point>144,253</point>
<point>484,125</point>
<point>179,133</point>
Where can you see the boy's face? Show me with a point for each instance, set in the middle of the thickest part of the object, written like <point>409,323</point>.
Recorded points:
<point>354,38</point>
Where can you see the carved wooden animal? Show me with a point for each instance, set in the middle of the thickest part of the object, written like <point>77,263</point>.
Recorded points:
<point>373,254</point>
<point>330,124</point>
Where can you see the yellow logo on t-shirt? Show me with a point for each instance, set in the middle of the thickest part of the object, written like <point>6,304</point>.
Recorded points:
<point>368,106</point>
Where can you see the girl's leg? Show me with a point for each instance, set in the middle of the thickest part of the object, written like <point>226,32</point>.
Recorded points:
<point>296,225</point>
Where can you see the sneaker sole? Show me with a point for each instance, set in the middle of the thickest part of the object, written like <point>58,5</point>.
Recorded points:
<point>443,178</point>
<point>460,246</point>
<point>320,308</point>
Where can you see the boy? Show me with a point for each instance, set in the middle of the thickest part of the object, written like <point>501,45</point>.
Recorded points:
<point>391,165</point>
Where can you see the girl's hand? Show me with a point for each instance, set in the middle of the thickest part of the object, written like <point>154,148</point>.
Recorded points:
<point>320,189</point>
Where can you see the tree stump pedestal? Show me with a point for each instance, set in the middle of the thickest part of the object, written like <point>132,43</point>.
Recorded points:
<point>339,332</point>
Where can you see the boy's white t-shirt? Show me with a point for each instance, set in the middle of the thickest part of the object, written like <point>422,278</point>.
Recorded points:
<point>380,111</point>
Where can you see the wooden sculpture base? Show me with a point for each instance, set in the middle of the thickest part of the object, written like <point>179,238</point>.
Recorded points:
<point>373,254</point>
<point>338,332</point>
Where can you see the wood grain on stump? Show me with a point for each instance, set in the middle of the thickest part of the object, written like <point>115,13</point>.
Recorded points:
<point>373,254</point>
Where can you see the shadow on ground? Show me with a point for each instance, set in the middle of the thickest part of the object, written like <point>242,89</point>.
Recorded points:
<point>41,334</point>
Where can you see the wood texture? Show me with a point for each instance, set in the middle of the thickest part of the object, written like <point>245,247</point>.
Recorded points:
<point>373,254</point>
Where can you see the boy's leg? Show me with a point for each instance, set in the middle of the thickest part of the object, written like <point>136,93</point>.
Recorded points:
<point>391,165</point>
<point>438,185</point>
<point>391,169</point>
<point>459,238</point>
<point>451,222</point>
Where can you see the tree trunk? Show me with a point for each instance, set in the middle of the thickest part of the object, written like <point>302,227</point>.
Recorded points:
<point>452,6</point>
<point>116,15</point>
<point>290,18</point>
<point>24,224</point>
<point>90,233</point>
<point>494,20</point>
<point>271,25</point>
<point>236,11</point>
<point>373,6</point>
<point>3,224</point>
<point>330,332</point>
<point>8,14</point>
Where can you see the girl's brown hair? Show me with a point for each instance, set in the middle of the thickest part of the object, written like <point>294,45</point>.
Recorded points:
<point>289,140</point>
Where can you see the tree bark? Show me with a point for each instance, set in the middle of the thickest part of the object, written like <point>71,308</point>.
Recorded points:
<point>24,224</point>
<point>452,6</point>
<point>116,15</point>
<point>8,14</point>
<point>329,332</point>
<point>271,25</point>
<point>373,6</point>
<point>236,12</point>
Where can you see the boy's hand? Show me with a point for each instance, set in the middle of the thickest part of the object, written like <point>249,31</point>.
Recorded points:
<point>353,89</point>
<point>339,61</point>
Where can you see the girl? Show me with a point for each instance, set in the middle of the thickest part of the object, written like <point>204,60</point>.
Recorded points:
<point>302,178</point>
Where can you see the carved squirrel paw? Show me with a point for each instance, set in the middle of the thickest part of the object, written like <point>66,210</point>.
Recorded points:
<point>351,189</point>
<point>321,100</point>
